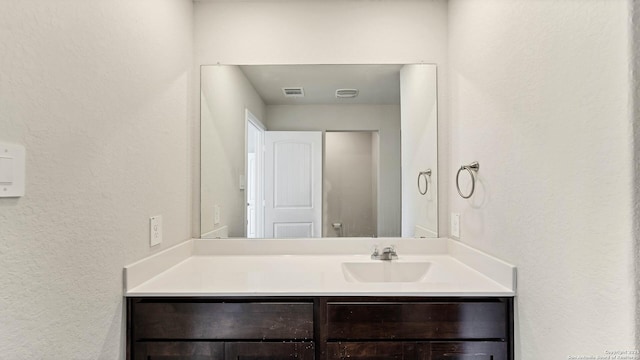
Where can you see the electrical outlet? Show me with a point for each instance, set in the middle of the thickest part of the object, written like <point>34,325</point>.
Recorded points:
<point>455,225</point>
<point>155,230</point>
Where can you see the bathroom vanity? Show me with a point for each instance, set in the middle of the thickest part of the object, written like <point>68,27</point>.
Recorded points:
<point>280,299</point>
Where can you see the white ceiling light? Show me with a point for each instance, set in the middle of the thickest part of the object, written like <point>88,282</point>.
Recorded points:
<point>346,93</point>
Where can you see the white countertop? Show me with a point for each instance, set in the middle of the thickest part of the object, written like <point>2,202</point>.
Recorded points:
<point>313,267</point>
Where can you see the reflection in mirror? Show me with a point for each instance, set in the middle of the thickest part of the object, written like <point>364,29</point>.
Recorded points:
<point>295,151</point>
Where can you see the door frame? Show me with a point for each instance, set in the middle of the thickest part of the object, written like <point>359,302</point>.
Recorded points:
<point>252,120</point>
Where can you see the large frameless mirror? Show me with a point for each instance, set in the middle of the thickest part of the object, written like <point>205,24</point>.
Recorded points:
<point>297,151</point>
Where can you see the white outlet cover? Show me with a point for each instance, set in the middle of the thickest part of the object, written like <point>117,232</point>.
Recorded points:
<point>12,170</point>
<point>455,225</point>
<point>155,230</point>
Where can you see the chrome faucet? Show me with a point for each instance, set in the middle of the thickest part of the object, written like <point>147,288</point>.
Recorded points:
<point>388,253</point>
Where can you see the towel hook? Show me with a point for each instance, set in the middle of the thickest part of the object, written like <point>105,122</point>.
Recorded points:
<point>472,169</point>
<point>426,181</point>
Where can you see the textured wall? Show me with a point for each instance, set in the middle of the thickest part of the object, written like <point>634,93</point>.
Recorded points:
<point>99,93</point>
<point>634,25</point>
<point>540,97</point>
<point>322,32</point>
<point>226,93</point>
<point>419,129</point>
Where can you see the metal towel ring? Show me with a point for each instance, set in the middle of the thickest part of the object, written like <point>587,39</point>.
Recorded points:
<point>426,181</point>
<point>474,166</point>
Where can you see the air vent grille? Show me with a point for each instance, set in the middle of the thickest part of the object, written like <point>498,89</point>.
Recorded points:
<point>293,92</point>
<point>346,93</point>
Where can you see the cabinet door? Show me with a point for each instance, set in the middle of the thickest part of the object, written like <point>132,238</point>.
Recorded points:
<point>269,351</point>
<point>178,319</point>
<point>467,350</point>
<point>375,351</point>
<point>417,320</point>
<point>186,350</point>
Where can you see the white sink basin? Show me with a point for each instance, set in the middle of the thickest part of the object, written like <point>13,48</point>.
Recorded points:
<point>385,271</point>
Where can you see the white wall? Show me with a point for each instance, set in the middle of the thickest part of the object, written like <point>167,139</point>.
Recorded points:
<point>385,119</point>
<point>99,94</point>
<point>635,99</point>
<point>375,176</point>
<point>322,32</point>
<point>540,98</point>
<point>419,147</point>
<point>226,93</point>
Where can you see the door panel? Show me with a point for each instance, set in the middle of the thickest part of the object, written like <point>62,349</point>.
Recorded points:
<point>293,184</point>
<point>288,230</point>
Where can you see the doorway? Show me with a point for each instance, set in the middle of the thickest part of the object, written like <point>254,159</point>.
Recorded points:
<point>351,173</point>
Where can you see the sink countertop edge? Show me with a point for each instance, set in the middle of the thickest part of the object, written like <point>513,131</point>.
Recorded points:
<point>161,275</point>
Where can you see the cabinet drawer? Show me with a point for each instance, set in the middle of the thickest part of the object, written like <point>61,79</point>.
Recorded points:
<point>417,320</point>
<point>168,350</point>
<point>389,350</point>
<point>467,350</point>
<point>374,351</point>
<point>269,351</point>
<point>221,321</point>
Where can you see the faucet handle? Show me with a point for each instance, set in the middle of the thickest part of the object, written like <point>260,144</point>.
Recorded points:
<point>389,249</point>
<point>376,253</point>
<point>392,252</point>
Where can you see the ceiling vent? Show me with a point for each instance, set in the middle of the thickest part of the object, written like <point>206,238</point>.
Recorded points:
<point>346,93</point>
<point>293,92</point>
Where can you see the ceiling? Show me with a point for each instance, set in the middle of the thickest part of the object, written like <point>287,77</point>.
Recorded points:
<point>377,84</point>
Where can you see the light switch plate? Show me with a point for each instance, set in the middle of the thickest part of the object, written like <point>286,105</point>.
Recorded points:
<point>216,214</point>
<point>6,170</point>
<point>12,170</point>
<point>155,230</point>
<point>455,225</point>
<point>241,182</point>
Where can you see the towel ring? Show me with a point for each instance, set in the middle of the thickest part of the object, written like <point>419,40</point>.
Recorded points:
<point>426,181</point>
<point>471,168</point>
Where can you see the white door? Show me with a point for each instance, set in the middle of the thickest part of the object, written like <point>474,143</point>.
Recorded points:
<point>293,184</point>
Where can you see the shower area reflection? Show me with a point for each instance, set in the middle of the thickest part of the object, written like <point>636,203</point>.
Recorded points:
<point>350,192</point>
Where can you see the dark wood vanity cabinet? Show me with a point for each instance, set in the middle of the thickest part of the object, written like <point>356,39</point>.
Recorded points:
<point>320,328</point>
